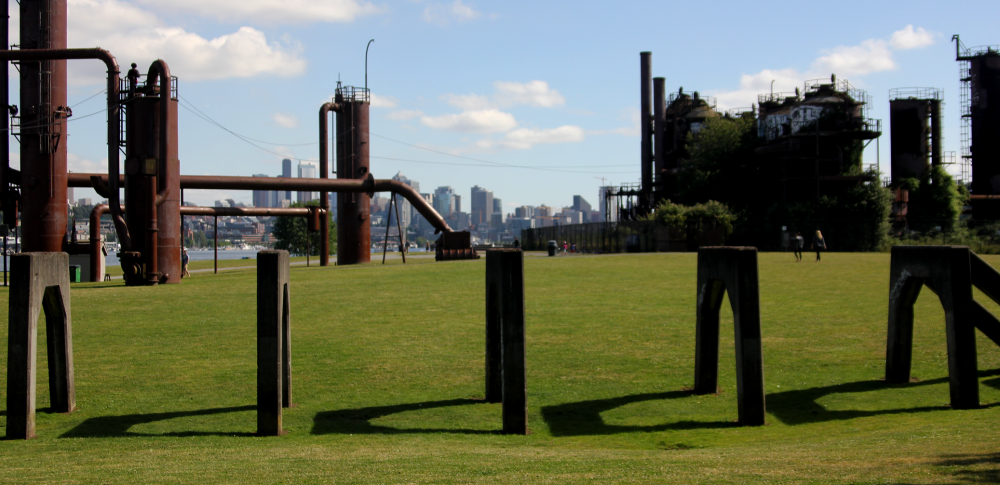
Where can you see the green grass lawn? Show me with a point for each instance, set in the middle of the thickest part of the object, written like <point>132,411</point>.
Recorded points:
<point>388,377</point>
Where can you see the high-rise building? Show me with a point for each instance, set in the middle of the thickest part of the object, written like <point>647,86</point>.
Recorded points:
<point>286,171</point>
<point>581,205</point>
<point>482,206</point>
<point>402,205</point>
<point>261,198</point>
<point>308,170</point>
<point>444,201</point>
<point>608,204</point>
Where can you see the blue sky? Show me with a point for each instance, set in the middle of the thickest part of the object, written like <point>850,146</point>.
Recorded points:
<point>543,96</point>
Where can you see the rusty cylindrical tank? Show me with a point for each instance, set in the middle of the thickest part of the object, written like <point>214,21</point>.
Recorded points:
<point>659,140</point>
<point>353,224</point>
<point>324,172</point>
<point>43,132</point>
<point>645,122</point>
<point>152,176</point>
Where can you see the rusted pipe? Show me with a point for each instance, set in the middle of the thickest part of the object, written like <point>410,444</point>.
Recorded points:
<point>245,211</point>
<point>324,173</point>
<point>370,185</point>
<point>114,120</point>
<point>156,186</point>
<point>95,239</point>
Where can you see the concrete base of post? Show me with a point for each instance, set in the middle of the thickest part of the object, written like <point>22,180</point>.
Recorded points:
<point>732,270</point>
<point>505,358</point>
<point>274,354</point>
<point>39,281</point>
<point>950,272</point>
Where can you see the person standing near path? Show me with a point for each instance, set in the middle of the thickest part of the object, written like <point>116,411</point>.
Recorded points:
<point>800,242</point>
<point>184,263</point>
<point>818,244</point>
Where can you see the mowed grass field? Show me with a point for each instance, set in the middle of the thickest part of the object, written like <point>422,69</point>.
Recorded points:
<point>388,380</point>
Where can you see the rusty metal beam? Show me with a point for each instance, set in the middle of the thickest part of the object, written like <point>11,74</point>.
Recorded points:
<point>113,116</point>
<point>369,185</point>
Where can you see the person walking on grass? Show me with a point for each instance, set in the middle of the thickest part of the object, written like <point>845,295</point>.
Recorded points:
<point>800,243</point>
<point>818,244</point>
<point>184,263</point>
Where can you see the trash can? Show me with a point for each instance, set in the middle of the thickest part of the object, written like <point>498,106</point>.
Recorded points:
<point>74,273</point>
<point>553,247</point>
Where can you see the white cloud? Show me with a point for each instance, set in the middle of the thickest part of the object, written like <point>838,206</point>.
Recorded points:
<point>133,34</point>
<point>457,12</point>
<point>404,114</point>
<point>785,81</point>
<point>269,11</point>
<point>910,38</point>
<point>635,129</point>
<point>285,120</point>
<point>473,121</point>
<point>525,138</point>
<point>870,56</point>
<point>534,93</point>
<point>77,164</point>
<point>469,101</point>
<point>383,101</point>
<point>509,93</point>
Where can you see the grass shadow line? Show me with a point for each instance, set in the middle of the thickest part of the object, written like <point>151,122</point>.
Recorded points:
<point>118,426</point>
<point>991,473</point>
<point>584,417</point>
<point>358,421</point>
<point>802,406</point>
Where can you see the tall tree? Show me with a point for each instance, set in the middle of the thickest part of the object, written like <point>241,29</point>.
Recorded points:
<point>291,233</point>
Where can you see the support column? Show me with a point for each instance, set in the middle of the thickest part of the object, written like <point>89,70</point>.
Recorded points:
<point>38,281</point>
<point>511,292</point>
<point>274,389</point>
<point>946,270</point>
<point>494,385</point>
<point>732,270</point>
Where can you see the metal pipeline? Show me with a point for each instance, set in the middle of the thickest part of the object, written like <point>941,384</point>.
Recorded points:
<point>113,118</point>
<point>246,211</point>
<point>324,173</point>
<point>645,120</point>
<point>95,239</point>
<point>369,185</point>
<point>156,188</point>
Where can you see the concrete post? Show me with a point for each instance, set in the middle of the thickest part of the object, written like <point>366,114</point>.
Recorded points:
<point>511,292</point>
<point>274,369</point>
<point>732,270</point>
<point>494,350</point>
<point>38,281</point>
<point>946,270</point>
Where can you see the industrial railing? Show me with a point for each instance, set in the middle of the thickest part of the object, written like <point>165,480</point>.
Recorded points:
<point>711,101</point>
<point>353,93</point>
<point>841,85</point>
<point>775,97</point>
<point>916,93</point>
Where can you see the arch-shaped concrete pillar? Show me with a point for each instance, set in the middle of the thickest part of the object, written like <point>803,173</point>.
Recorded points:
<point>946,270</point>
<point>38,281</point>
<point>732,270</point>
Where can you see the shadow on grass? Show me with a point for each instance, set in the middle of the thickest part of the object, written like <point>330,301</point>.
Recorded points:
<point>118,426</point>
<point>104,284</point>
<point>584,417</point>
<point>358,421</point>
<point>801,406</point>
<point>986,467</point>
